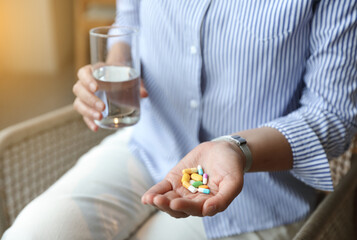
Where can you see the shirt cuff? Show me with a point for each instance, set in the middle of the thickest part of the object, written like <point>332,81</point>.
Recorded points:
<point>310,163</point>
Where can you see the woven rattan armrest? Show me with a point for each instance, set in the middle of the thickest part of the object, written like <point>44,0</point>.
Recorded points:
<point>35,153</point>
<point>336,215</point>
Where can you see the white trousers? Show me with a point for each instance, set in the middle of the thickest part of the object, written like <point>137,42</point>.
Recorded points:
<point>100,199</point>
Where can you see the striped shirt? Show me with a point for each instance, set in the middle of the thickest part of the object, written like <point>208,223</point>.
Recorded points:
<point>215,67</point>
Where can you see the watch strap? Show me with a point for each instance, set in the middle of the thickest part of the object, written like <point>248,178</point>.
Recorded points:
<point>242,144</point>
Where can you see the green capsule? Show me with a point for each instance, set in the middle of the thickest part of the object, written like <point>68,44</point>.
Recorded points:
<point>197,184</point>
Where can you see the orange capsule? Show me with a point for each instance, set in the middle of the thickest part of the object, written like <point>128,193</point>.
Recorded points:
<point>189,187</point>
<point>204,186</point>
<point>186,184</point>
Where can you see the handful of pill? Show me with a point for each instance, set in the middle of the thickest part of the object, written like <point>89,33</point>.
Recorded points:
<point>195,180</point>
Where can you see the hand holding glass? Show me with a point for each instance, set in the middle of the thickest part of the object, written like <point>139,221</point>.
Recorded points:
<point>116,68</point>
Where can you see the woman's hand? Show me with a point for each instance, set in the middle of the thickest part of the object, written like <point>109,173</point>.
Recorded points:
<point>222,161</point>
<point>86,102</point>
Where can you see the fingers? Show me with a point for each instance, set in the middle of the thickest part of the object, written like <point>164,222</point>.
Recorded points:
<point>191,207</point>
<point>214,205</point>
<point>160,196</point>
<point>86,102</point>
<point>85,76</point>
<point>143,92</point>
<point>162,202</point>
<point>163,197</point>
<point>228,190</point>
<point>159,188</point>
<point>87,97</point>
<point>90,123</point>
<point>85,110</point>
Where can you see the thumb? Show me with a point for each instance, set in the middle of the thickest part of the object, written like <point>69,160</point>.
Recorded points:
<point>228,190</point>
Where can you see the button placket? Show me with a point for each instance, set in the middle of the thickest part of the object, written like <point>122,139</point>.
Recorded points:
<point>193,49</point>
<point>194,104</point>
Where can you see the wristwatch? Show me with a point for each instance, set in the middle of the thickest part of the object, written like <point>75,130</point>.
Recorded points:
<point>242,144</point>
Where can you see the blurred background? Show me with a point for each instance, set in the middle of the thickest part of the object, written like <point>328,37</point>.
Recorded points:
<point>42,45</point>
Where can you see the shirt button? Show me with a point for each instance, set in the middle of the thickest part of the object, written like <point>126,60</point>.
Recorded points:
<point>193,50</point>
<point>193,104</point>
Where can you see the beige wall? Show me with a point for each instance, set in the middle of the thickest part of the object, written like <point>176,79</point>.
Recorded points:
<point>36,57</point>
<point>36,35</point>
<point>29,39</point>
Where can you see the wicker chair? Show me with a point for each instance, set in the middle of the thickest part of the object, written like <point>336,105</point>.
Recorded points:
<point>336,216</point>
<point>35,153</point>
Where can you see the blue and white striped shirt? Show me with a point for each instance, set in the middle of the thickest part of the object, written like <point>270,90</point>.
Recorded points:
<point>215,67</point>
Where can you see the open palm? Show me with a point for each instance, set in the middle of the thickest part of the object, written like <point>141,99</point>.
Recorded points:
<point>223,163</point>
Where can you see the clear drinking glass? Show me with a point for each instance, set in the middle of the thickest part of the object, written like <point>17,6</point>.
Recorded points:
<point>116,68</point>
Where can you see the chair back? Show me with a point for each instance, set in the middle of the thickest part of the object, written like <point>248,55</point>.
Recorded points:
<point>35,153</point>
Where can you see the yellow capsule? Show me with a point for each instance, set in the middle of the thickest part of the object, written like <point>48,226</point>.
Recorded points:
<point>186,177</point>
<point>196,177</point>
<point>189,170</point>
<point>204,186</point>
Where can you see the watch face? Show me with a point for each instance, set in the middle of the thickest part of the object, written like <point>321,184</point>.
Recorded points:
<point>239,139</point>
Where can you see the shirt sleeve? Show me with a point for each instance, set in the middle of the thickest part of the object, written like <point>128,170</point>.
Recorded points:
<point>127,14</point>
<point>324,125</point>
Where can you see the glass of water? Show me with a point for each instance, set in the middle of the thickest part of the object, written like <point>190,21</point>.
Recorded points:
<point>116,68</point>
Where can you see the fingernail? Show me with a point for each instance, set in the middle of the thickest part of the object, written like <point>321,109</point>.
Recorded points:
<point>143,200</point>
<point>99,105</point>
<point>92,87</point>
<point>96,115</point>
